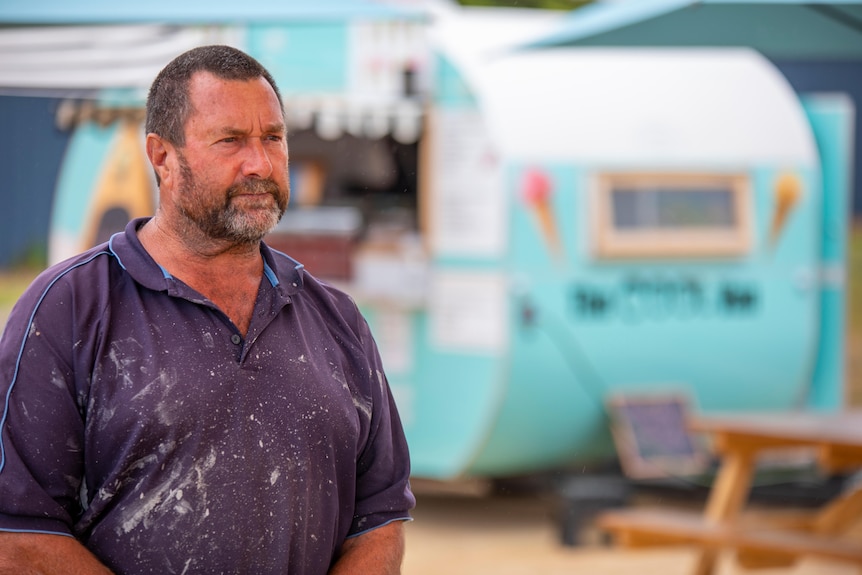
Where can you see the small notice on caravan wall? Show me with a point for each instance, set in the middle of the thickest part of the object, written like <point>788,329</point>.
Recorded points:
<point>467,312</point>
<point>468,211</point>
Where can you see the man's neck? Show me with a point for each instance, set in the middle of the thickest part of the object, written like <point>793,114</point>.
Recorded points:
<point>229,276</point>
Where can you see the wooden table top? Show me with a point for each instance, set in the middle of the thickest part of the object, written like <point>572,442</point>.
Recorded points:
<point>840,428</point>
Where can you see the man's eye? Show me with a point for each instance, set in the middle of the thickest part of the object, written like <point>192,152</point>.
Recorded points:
<point>229,140</point>
<point>273,138</point>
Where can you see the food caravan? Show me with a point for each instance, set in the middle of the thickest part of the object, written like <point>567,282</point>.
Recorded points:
<point>568,225</point>
<point>611,222</point>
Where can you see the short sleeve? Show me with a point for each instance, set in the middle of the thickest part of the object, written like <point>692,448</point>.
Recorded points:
<point>383,490</point>
<point>41,469</point>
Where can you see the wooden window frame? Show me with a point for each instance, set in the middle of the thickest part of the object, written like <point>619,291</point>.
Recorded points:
<point>610,242</point>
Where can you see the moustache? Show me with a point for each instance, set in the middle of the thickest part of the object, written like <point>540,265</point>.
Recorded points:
<point>254,186</point>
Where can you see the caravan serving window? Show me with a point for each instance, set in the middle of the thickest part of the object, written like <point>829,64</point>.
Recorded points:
<point>671,215</point>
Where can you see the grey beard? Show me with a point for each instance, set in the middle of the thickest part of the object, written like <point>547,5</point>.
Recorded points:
<point>229,223</point>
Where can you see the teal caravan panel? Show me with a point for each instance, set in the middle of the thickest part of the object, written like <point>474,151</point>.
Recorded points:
<point>553,407</point>
<point>832,121</point>
<point>76,185</point>
<point>451,89</point>
<point>122,97</point>
<point>303,56</point>
<point>731,333</point>
<point>548,219</point>
<point>738,333</point>
<point>171,12</point>
<point>552,412</point>
<point>446,399</point>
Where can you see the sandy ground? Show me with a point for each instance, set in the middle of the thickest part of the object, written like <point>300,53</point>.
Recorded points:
<point>456,534</point>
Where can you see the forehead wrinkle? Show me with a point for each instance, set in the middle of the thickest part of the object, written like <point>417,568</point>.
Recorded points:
<point>230,131</point>
<point>274,127</point>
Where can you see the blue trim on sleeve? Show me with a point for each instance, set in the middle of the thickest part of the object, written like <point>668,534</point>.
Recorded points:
<point>24,343</point>
<point>405,519</point>
<point>38,531</point>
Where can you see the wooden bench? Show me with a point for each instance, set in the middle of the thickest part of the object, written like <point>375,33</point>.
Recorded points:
<point>642,527</point>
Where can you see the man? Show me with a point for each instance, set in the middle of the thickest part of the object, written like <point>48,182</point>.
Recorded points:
<point>182,399</point>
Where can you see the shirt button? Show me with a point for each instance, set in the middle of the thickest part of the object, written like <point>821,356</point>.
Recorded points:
<point>236,339</point>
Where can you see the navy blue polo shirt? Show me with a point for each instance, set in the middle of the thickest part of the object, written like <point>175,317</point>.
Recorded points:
<point>139,420</point>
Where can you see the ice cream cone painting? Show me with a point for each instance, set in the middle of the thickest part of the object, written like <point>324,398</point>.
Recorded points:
<point>536,193</point>
<point>788,191</point>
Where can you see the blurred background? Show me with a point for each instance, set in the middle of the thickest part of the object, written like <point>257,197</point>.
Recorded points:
<point>568,223</point>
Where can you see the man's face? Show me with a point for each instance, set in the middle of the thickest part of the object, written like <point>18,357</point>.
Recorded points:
<point>233,181</point>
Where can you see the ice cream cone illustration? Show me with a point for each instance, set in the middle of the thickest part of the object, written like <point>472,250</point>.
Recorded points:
<point>788,190</point>
<point>536,189</point>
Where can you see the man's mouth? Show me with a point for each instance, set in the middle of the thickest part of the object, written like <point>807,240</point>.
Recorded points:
<point>254,188</point>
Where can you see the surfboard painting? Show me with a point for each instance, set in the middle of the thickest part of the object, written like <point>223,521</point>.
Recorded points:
<point>92,204</point>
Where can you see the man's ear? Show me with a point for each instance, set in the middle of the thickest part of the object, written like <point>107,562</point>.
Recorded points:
<point>159,152</point>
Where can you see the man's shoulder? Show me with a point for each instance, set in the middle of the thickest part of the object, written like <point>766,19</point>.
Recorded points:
<point>73,287</point>
<point>79,269</point>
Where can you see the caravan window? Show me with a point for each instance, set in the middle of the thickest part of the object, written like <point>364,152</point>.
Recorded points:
<point>668,208</point>
<point>671,215</point>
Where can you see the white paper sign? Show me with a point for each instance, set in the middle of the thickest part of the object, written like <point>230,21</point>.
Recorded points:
<point>394,336</point>
<point>468,201</point>
<point>467,312</point>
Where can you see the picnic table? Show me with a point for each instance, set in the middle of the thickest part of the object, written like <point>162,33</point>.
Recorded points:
<point>739,440</point>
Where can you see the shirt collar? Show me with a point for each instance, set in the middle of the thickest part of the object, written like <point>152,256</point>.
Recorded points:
<point>284,273</point>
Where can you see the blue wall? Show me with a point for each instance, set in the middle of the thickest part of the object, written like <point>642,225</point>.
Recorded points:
<point>31,150</point>
<point>833,76</point>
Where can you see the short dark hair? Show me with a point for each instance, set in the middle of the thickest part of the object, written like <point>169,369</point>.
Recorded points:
<point>168,102</point>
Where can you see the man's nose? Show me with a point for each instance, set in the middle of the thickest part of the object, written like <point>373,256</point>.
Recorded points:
<point>256,162</point>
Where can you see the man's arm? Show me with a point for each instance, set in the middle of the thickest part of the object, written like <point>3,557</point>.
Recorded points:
<point>377,552</point>
<point>40,554</point>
